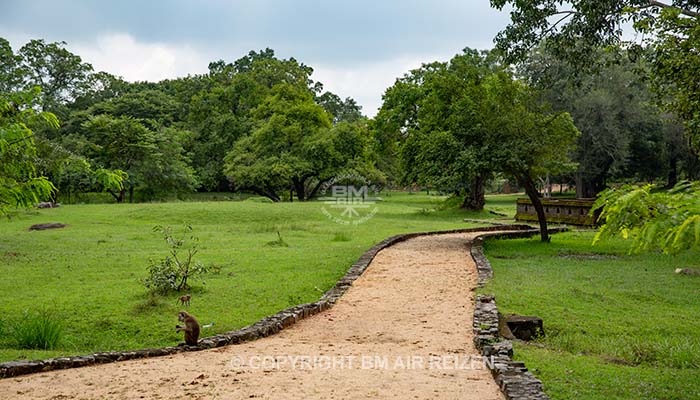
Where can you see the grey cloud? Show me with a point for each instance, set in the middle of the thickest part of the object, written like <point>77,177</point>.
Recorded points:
<point>338,31</point>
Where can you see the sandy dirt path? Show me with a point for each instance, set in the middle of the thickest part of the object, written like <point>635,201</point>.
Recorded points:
<point>402,331</point>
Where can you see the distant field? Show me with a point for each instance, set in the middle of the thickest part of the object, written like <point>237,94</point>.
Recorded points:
<point>617,326</point>
<point>89,274</point>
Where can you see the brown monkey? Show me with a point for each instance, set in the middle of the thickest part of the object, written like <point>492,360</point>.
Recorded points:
<point>191,328</point>
<point>185,300</point>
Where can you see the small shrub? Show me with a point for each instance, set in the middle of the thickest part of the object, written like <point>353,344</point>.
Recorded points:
<point>277,243</point>
<point>37,331</point>
<point>173,272</point>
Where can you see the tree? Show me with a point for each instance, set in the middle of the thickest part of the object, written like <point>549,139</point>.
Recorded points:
<point>622,131</point>
<point>342,110</point>
<point>526,139</point>
<point>20,186</point>
<point>222,113</point>
<point>435,114</point>
<point>61,74</point>
<point>290,147</point>
<point>10,77</point>
<point>574,30</point>
<point>466,120</point>
<point>153,160</point>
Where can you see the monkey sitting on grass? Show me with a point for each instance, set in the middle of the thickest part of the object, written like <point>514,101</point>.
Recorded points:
<point>191,328</point>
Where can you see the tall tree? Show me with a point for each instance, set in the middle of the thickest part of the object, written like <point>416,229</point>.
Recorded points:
<point>222,113</point>
<point>10,75</point>
<point>290,147</point>
<point>433,113</point>
<point>467,119</point>
<point>62,75</point>
<point>526,138</point>
<point>20,185</point>
<point>622,130</point>
<point>154,160</point>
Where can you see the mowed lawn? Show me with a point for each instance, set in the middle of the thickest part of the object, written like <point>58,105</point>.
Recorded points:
<point>89,275</point>
<point>617,326</point>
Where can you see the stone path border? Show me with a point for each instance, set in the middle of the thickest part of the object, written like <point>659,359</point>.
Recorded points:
<point>513,377</point>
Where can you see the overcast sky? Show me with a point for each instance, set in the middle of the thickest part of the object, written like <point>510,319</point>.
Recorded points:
<point>356,47</point>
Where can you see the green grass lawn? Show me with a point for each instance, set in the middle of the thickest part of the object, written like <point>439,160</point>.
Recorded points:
<point>617,326</point>
<point>89,274</point>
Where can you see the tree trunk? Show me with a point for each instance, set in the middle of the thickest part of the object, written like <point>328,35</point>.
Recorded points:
<point>270,194</point>
<point>526,182</point>
<point>118,197</point>
<point>131,194</point>
<point>299,188</point>
<point>316,188</point>
<point>673,173</point>
<point>475,199</point>
<point>588,187</point>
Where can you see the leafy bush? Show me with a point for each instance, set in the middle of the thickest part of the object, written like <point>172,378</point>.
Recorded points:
<point>668,220</point>
<point>173,272</point>
<point>37,331</point>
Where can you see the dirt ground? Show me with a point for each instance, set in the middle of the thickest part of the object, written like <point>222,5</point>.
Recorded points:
<point>402,331</point>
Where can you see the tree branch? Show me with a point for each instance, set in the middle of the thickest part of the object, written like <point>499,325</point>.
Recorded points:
<point>683,11</point>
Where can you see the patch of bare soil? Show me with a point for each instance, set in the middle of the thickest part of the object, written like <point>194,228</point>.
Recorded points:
<point>402,331</point>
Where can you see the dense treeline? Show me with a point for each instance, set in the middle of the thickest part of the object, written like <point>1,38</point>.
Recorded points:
<point>258,124</point>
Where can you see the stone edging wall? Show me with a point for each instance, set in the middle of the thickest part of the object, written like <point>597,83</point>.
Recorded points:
<point>514,379</point>
<point>265,327</point>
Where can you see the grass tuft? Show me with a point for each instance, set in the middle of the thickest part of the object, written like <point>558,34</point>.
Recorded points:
<point>341,237</point>
<point>37,330</point>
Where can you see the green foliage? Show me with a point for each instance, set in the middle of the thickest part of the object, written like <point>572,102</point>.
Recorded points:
<point>37,330</point>
<point>670,36</point>
<point>663,219</point>
<point>20,186</point>
<point>461,122</point>
<point>295,146</point>
<point>173,272</point>
<point>172,137</point>
<point>342,110</point>
<point>623,134</point>
<point>61,74</point>
<point>675,65</point>
<point>153,162</point>
<point>10,78</point>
